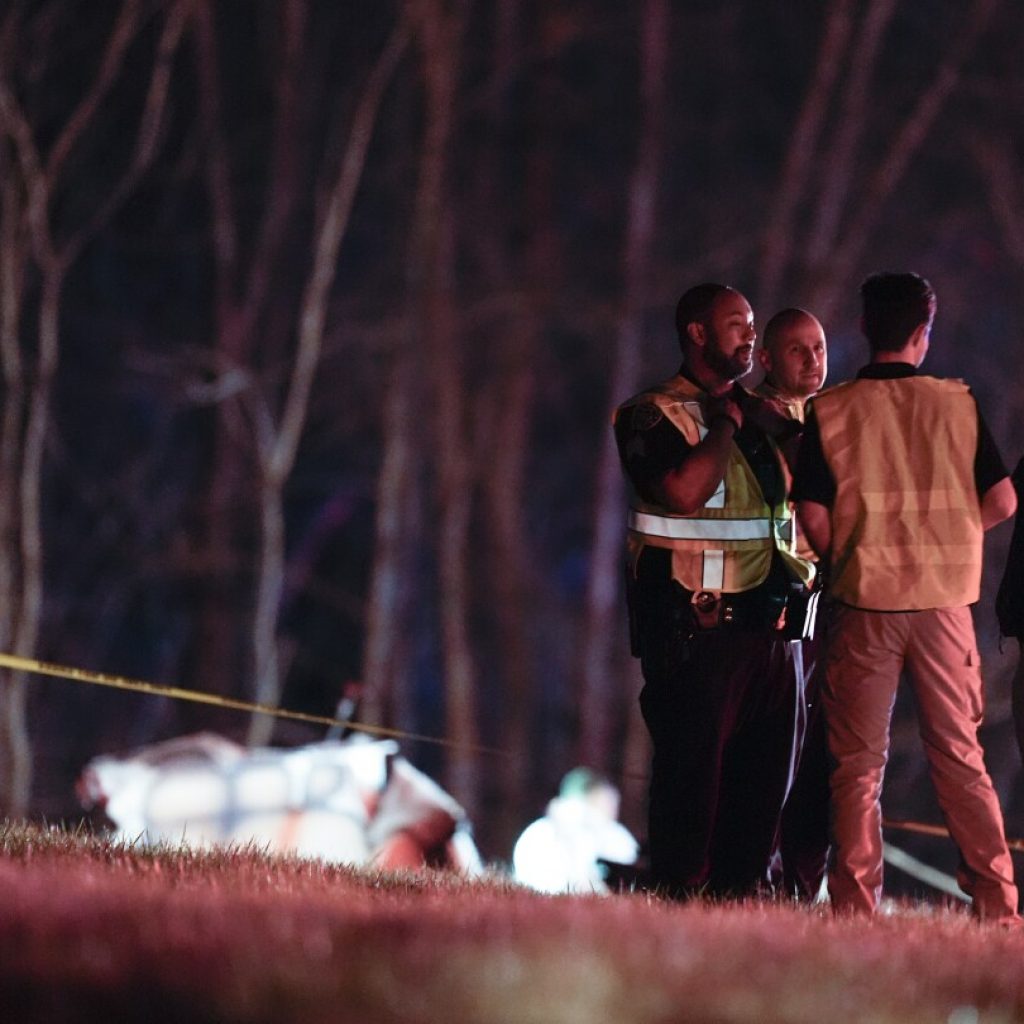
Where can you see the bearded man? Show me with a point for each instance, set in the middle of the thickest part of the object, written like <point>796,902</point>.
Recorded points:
<point>714,585</point>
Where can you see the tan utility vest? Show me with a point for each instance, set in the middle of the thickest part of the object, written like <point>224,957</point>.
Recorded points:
<point>726,546</point>
<point>906,523</point>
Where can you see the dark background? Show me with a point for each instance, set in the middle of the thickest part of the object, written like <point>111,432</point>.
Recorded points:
<point>539,182</point>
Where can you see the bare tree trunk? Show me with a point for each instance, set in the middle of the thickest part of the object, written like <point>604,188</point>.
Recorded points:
<point>427,329</point>
<point>600,695</point>
<point>215,662</point>
<point>15,763</point>
<point>241,289</point>
<point>441,27</point>
<point>30,394</point>
<point>278,448</point>
<point>19,783</point>
<point>270,567</point>
<point>455,497</point>
<point>505,407</point>
<point>880,186</point>
<point>508,564</point>
<point>26,426</point>
<point>1002,173</point>
<point>779,231</point>
<point>387,648</point>
<point>840,164</point>
<point>12,269</point>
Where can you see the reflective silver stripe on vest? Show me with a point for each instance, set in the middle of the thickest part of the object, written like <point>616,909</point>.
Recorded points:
<point>713,577</point>
<point>699,529</point>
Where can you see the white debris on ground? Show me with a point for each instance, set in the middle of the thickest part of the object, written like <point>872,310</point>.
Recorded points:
<point>353,801</point>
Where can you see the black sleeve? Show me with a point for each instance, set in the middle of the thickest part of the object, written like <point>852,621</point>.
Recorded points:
<point>989,467</point>
<point>812,478</point>
<point>649,446</point>
<point>1010,596</point>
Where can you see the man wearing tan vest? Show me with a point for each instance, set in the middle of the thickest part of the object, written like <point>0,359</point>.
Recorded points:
<point>716,603</point>
<point>897,480</point>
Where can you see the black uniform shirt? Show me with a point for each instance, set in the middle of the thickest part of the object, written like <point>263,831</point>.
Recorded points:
<point>1010,597</point>
<point>650,446</point>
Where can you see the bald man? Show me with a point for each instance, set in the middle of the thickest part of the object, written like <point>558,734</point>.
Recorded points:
<point>794,356</point>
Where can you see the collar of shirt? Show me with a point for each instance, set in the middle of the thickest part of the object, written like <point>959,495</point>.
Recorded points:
<point>735,392</point>
<point>886,371</point>
<point>794,406</point>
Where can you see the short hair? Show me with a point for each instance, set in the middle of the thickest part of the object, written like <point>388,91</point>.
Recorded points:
<point>695,305</point>
<point>783,319</point>
<point>894,306</point>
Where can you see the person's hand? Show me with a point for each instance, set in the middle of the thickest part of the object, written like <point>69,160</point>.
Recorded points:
<point>723,407</point>
<point>772,416</point>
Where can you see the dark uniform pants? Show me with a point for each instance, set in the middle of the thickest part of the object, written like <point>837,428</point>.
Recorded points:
<point>804,843</point>
<point>722,708</point>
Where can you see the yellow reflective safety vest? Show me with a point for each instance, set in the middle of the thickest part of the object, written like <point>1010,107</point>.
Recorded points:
<point>906,521</point>
<point>794,406</point>
<point>726,546</point>
<point>795,409</point>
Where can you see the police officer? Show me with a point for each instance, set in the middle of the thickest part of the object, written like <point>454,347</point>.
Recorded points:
<point>711,572</point>
<point>794,356</point>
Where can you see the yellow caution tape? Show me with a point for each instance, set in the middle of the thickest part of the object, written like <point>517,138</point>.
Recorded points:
<point>81,675</point>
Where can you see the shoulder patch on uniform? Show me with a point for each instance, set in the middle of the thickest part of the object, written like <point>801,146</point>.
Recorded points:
<point>646,416</point>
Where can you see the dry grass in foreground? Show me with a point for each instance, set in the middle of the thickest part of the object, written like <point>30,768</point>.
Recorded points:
<point>91,930</point>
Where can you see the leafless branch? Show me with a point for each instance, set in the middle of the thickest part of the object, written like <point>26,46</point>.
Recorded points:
<point>148,134</point>
<point>1001,170</point>
<point>218,177</point>
<point>121,37</point>
<point>904,147</point>
<point>598,677</point>
<point>328,242</point>
<point>280,189</point>
<point>775,247</point>
<point>16,125</point>
<point>840,165</point>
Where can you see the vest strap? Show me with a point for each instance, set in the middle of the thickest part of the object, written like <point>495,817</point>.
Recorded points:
<point>693,528</point>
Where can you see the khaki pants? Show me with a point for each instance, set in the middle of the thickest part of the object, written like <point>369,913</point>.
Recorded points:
<point>867,652</point>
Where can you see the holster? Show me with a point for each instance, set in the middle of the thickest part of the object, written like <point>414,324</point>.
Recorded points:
<point>792,613</point>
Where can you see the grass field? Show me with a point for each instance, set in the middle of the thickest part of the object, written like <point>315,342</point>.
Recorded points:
<point>91,930</point>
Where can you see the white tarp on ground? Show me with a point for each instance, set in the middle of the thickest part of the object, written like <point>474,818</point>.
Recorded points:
<point>563,851</point>
<point>353,801</point>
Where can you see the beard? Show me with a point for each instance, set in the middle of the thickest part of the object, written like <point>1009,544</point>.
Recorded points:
<point>730,367</point>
